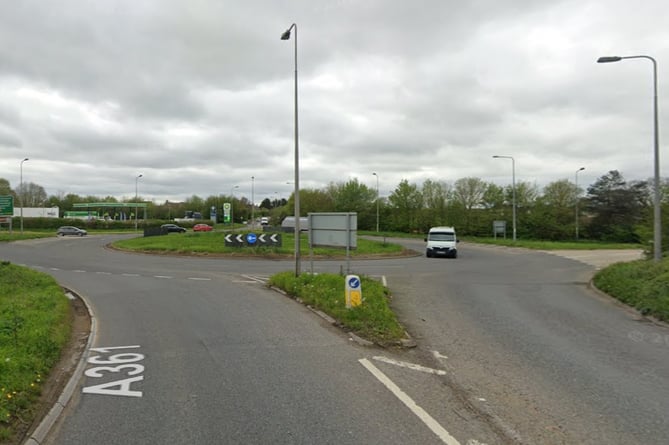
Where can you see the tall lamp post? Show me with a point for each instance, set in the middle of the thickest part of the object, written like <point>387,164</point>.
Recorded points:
<point>513,189</point>
<point>22,194</point>
<point>657,225</point>
<point>377,202</point>
<point>576,205</point>
<point>232,207</point>
<point>136,207</point>
<point>286,36</point>
<point>253,202</point>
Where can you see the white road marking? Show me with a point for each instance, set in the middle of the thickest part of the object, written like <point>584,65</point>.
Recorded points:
<point>130,274</point>
<point>412,366</point>
<point>53,268</point>
<point>163,276</point>
<point>438,355</point>
<point>254,279</point>
<point>199,279</point>
<point>79,271</point>
<point>103,273</point>
<point>428,420</point>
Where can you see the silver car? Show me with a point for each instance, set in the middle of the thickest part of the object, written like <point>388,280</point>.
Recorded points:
<point>70,230</point>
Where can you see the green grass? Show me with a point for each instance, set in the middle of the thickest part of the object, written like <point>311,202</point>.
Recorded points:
<point>641,284</point>
<point>553,245</point>
<point>34,326</point>
<point>213,243</point>
<point>16,235</point>
<point>372,320</point>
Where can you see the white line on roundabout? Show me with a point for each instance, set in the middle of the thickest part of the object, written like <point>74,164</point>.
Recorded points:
<point>428,420</point>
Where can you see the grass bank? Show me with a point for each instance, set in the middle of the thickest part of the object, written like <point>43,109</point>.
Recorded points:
<point>17,235</point>
<point>642,284</point>
<point>34,327</point>
<point>553,245</point>
<point>372,320</point>
<point>212,243</point>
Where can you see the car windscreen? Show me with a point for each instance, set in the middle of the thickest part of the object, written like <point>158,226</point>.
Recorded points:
<point>441,236</point>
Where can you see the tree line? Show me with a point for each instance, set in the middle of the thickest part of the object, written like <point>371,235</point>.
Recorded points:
<point>611,209</point>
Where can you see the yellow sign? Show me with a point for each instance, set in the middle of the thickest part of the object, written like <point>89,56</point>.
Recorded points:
<point>353,291</point>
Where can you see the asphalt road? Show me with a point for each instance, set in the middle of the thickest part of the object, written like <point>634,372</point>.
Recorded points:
<point>530,353</point>
<point>198,351</point>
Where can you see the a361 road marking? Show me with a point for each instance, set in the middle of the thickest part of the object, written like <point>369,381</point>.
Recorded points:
<point>123,362</point>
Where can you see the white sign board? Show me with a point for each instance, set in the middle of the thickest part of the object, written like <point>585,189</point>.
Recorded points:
<point>333,229</point>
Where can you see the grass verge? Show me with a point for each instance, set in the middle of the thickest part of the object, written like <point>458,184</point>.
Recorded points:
<point>642,284</point>
<point>372,320</point>
<point>212,243</point>
<point>34,327</point>
<point>17,236</point>
<point>553,245</point>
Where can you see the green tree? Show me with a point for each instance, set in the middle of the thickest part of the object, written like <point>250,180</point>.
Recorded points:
<point>616,207</point>
<point>5,188</point>
<point>311,200</point>
<point>468,196</point>
<point>354,196</point>
<point>552,217</point>
<point>435,199</point>
<point>405,202</point>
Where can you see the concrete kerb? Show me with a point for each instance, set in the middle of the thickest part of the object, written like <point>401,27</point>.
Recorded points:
<point>39,434</point>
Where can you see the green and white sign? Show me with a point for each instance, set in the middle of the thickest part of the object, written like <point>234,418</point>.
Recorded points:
<point>226,212</point>
<point>6,205</point>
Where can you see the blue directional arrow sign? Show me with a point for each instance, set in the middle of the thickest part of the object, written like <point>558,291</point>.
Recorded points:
<point>354,283</point>
<point>251,238</point>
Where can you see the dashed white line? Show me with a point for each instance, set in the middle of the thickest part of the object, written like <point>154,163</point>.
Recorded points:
<point>103,273</point>
<point>412,366</point>
<point>130,274</point>
<point>53,268</point>
<point>428,420</point>
<point>163,276</point>
<point>199,279</point>
<point>79,271</point>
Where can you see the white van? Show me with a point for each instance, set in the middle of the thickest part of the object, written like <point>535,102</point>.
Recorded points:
<point>441,241</point>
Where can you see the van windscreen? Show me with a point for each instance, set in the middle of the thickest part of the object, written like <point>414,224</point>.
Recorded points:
<point>441,236</point>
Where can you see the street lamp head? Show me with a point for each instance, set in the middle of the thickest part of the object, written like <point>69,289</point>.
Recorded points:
<point>374,174</point>
<point>140,175</point>
<point>609,59</point>
<point>286,35</point>
<point>582,168</point>
<point>26,159</point>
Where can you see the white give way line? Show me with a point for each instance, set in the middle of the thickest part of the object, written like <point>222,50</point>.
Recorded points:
<point>427,419</point>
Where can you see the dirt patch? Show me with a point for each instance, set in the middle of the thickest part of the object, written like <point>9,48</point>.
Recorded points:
<point>61,373</point>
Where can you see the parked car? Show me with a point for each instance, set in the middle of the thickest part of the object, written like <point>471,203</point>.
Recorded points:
<point>70,230</point>
<point>169,228</point>
<point>202,228</point>
<point>264,221</point>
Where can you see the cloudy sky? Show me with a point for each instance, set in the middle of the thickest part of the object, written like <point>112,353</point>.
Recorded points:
<point>197,96</point>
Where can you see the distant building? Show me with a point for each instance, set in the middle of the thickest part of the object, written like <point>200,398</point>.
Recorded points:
<point>37,212</point>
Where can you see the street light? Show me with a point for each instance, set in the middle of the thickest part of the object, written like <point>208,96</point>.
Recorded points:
<point>22,194</point>
<point>286,36</point>
<point>136,207</point>
<point>253,201</point>
<point>377,202</point>
<point>576,206</point>
<point>232,206</point>
<point>513,176</point>
<point>657,225</point>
